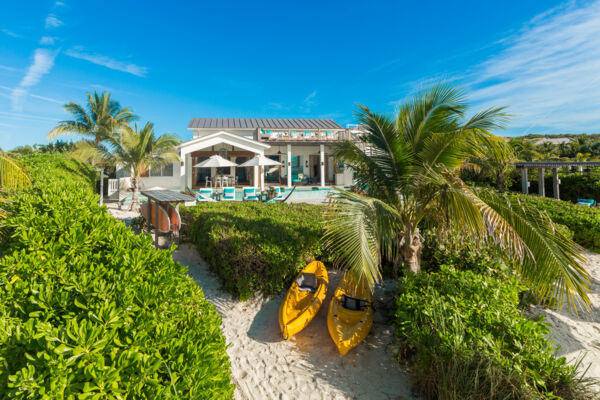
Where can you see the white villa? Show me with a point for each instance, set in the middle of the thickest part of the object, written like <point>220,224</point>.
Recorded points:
<point>302,146</point>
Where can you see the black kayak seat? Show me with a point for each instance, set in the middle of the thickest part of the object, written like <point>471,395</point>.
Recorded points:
<point>354,303</point>
<point>307,282</point>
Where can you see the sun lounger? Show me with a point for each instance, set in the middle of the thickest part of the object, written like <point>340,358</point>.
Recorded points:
<point>250,194</point>
<point>204,195</point>
<point>586,202</point>
<point>228,194</point>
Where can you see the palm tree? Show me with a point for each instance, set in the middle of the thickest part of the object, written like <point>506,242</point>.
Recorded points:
<point>525,149</point>
<point>97,122</point>
<point>408,166</point>
<point>134,150</point>
<point>12,177</point>
<point>496,160</point>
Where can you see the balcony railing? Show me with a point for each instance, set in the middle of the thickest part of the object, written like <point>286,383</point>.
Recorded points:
<point>333,136</point>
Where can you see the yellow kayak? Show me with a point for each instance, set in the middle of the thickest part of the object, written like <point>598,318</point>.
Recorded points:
<point>350,315</point>
<point>304,299</point>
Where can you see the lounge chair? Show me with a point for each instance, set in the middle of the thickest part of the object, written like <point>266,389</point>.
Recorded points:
<point>280,199</point>
<point>228,193</point>
<point>204,195</point>
<point>278,194</point>
<point>250,194</point>
<point>586,202</point>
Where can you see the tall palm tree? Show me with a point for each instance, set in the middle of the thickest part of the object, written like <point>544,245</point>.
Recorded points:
<point>12,177</point>
<point>96,122</point>
<point>408,166</point>
<point>134,150</point>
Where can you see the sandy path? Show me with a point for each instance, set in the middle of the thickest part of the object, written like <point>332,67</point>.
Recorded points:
<point>579,335</point>
<point>264,366</point>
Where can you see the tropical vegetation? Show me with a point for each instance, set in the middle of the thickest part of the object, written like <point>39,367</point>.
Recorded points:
<point>256,247</point>
<point>12,177</point>
<point>409,167</point>
<point>465,337</point>
<point>96,122</point>
<point>90,310</point>
<point>135,150</point>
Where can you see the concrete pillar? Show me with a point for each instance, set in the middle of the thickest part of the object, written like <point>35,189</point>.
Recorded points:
<point>524,181</point>
<point>322,157</point>
<point>182,174</point>
<point>541,188</point>
<point>289,165</point>
<point>255,182</point>
<point>555,183</point>
<point>580,169</point>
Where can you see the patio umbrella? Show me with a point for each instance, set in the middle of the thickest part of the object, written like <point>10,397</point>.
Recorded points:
<point>215,161</point>
<point>260,161</point>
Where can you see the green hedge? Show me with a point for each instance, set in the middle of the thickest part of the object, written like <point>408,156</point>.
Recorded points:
<point>90,310</point>
<point>584,222</point>
<point>256,247</point>
<point>44,168</point>
<point>465,338</point>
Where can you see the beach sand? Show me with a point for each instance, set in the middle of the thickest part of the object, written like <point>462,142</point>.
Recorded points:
<point>579,335</point>
<point>264,366</point>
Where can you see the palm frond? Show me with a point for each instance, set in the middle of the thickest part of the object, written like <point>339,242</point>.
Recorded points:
<point>359,231</point>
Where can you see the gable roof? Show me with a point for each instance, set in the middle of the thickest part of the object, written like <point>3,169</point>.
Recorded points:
<point>265,123</point>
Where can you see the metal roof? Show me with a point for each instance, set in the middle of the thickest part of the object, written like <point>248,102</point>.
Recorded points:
<point>265,123</point>
<point>556,164</point>
<point>167,196</point>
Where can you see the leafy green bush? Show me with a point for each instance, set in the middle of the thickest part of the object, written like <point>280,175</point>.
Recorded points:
<point>256,247</point>
<point>89,310</point>
<point>466,339</point>
<point>58,168</point>
<point>584,222</point>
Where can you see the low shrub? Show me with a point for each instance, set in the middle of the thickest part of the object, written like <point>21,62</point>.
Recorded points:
<point>256,247</point>
<point>465,338</point>
<point>89,310</point>
<point>45,168</point>
<point>583,222</point>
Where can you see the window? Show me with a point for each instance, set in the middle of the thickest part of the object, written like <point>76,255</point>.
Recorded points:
<point>166,170</point>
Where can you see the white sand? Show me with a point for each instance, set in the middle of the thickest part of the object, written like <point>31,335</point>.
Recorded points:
<point>264,366</point>
<point>579,335</point>
<point>121,214</point>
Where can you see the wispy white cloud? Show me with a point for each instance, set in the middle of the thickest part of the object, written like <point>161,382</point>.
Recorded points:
<point>309,102</point>
<point>548,72</point>
<point>47,40</point>
<point>7,68</point>
<point>53,22</point>
<point>43,61</point>
<point>108,62</point>
<point>21,116</point>
<point>49,99</point>
<point>59,3</point>
<point>11,33</point>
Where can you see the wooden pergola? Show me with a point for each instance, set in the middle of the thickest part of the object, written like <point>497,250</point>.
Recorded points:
<point>554,165</point>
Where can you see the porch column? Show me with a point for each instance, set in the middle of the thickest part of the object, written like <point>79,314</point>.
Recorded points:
<point>256,182</point>
<point>322,156</point>
<point>289,165</point>
<point>541,188</point>
<point>182,167</point>
<point>555,183</point>
<point>524,181</point>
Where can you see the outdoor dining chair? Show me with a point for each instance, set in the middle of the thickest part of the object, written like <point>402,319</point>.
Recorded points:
<point>208,182</point>
<point>218,181</point>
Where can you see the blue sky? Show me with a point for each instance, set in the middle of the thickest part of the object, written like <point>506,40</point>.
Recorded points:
<point>171,61</point>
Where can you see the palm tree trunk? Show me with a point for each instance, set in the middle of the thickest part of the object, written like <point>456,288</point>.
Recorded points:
<point>411,249</point>
<point>134,197</point>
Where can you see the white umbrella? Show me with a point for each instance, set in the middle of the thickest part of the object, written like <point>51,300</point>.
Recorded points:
<point>260,161</point>
<point>215,161</point>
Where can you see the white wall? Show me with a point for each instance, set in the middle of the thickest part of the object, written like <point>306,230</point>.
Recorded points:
<point>247,133</point>
<point>167,182</point>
